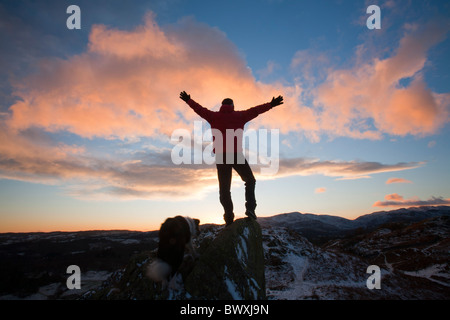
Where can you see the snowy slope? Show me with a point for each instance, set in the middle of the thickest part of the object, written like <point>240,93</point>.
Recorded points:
<point>296,269</point>
<point>413,257</point>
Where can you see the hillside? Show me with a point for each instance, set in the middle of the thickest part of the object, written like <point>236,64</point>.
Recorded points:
<point>414,263</point>
<point>306,256</point>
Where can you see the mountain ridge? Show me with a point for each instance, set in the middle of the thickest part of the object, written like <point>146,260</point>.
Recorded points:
<point>324,218</point>
<point>319,228</point>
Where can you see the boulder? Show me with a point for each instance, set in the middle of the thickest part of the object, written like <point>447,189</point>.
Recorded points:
<point>232,266</point>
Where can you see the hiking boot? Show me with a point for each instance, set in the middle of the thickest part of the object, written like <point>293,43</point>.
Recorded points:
<point>229,218</point>
<point>250,214</point>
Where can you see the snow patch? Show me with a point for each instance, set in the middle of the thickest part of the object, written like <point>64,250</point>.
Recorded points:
<point>241,247</point>
<point>232,287</point>
<point>437,270</point>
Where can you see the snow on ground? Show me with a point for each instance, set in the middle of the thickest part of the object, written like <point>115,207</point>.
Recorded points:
<point>296,269</point>
<point>437,270</point>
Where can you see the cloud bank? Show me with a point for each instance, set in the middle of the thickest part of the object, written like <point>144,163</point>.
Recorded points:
<point>369,100</point>
<point>148,174</point>
<point>125,86</point>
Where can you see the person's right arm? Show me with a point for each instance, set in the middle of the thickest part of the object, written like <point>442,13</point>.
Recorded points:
<point>252,113</point>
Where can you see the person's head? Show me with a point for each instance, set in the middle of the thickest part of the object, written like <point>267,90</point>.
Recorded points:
<point>228,101</point>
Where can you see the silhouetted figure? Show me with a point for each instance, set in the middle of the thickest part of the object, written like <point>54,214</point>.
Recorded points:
<point>220,121</point>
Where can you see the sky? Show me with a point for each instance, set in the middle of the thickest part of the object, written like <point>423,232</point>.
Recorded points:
<point>88,116</point>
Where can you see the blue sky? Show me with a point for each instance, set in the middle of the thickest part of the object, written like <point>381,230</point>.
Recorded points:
<point>86,115</point>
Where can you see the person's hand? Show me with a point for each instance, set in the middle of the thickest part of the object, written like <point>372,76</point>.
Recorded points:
<point>276,101</point>
<point>184,96</point>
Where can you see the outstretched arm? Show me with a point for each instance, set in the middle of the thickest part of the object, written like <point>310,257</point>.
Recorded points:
<point>256,111</point>
<point>201,111</point>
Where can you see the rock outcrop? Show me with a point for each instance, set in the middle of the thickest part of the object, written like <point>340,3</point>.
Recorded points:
<point>230,266</point>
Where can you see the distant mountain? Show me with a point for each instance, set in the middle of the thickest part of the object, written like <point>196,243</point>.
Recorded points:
<point>414,214</point>
<point>319,228</point>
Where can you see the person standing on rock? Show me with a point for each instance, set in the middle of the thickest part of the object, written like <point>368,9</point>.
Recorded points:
<point>229,154</point>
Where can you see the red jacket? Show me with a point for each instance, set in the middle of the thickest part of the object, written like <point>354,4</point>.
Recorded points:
<point>227,118</point>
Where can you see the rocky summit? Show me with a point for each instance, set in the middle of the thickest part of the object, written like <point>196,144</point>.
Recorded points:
<point>230,266</point>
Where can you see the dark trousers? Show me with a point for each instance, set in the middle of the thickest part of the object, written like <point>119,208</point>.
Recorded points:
<point>224,173</point>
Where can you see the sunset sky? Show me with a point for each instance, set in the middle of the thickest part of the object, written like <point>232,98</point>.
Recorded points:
<point>86,116</point>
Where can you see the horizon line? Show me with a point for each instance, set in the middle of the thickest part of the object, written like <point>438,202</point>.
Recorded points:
<point>261,217</point>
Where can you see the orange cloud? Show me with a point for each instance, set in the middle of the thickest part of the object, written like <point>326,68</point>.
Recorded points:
<point>368,100</point>
<point>397,180</point>
<point>394,196</point>
<point>145,41</point>
<point>127,84</point>
<point>395,200</point>
<point>343,170</point>
<point>320,190</point>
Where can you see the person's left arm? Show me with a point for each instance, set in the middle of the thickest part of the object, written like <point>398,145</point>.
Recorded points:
<point>200,110</point>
